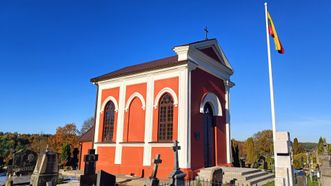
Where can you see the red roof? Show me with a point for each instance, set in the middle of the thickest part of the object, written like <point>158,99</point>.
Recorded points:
<point>87,136</point>
<point>139,68</point>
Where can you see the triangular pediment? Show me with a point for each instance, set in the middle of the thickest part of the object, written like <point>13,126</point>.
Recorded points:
<point>209,51</point>
<point>204,51</point>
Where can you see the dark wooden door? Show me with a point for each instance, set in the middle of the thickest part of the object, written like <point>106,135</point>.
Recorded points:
<point>208,135</point>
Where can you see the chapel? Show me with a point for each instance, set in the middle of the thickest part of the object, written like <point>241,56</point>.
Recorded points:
<point>142,109</point>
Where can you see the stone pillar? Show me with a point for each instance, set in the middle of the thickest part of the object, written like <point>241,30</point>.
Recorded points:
<point>284,169</point>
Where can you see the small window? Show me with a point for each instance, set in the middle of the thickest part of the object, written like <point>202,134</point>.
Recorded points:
<point>108,122</point>
<point>166,110</point>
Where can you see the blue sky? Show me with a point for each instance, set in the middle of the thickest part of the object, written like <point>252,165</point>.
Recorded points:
<point>50,49</point>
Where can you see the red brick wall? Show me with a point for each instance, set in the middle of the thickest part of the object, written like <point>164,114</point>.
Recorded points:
<point>202,83</point>
<point>85,146</point>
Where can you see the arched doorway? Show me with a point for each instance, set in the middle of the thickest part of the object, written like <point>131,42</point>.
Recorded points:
<point>208,141</point>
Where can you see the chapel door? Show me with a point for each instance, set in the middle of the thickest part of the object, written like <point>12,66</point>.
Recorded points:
<point>208,127</point>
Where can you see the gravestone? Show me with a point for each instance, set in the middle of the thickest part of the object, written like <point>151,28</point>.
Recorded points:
<point>46,170</point>
<point>105,179</point>
<point>213,175</point>
<point>217,177</point>
<point>22,166</point>
<point>154,180</point>
<point>301,180</point>
<point>24,162</point>
<point>89,178</point>
<point>177,176</point>
<point>262,163</point>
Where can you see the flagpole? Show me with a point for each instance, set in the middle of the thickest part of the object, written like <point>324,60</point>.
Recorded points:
<point>273,115</point>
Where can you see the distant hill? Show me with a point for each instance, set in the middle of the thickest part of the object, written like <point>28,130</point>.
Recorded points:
<point>308,146</point>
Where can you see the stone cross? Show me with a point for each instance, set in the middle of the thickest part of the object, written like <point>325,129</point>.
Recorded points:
<point>90,162</point>
<point>175,148</point>
<point>156,162</point>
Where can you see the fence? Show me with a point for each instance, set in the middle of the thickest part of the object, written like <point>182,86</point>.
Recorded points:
<point>195,183</point>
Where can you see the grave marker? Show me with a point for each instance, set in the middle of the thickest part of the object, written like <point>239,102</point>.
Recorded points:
<point>89,178</point>
<point>154,180</point>
<point>46,170</point>
<point>177,176</point>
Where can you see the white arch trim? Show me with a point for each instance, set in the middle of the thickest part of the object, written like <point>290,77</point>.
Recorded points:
<point>214,102</point>
<point>109,98</point>
<point>166,90</point>
<point>138,95</point>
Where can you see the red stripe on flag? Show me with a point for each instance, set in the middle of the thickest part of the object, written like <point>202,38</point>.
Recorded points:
<point>271,32</point>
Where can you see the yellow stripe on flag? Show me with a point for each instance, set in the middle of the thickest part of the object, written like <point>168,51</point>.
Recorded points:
<point>273,33</point>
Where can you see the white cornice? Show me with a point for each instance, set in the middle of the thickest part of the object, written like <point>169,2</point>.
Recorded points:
<point>145,75</point>
<point>182,52</point>
<point>229,83</point>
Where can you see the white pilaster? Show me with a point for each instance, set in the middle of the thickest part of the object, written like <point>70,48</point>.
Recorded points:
<point>148,121</point>
<point>228,85</point>
<point>120,124</point>
<point>189,121</point>
<point>97,119</point>
<point>183,133</point>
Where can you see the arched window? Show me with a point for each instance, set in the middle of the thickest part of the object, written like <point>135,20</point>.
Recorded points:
<point>108,122</point>
<point>166,110</point>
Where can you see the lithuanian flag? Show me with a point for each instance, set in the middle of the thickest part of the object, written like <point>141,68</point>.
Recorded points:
<point>273,33</point>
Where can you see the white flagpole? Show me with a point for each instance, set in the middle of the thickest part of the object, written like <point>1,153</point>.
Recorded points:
<point>273,115</point>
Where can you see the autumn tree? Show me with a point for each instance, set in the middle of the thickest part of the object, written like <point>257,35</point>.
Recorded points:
<point>38,142</point>
<point>295,146</point>
<point>251,153</point>
<point>299,160</point>
<point>87,125</point>
<point>66,134</point>
<point>264,142</point>
<point>320,145</point>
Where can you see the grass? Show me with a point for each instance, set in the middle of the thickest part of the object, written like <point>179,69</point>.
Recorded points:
<point>270,184</point>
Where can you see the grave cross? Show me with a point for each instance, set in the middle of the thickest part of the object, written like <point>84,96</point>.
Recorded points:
<point>175,148</point>
<point>90,162</point>
<point>157,161</point>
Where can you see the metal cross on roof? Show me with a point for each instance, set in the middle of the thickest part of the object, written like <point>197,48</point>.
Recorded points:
<point>206,30</point>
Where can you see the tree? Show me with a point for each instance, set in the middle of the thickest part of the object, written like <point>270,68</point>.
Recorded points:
<point>251,153</point>
<point>10,143</point>
<point>65,154</point>
<point>320,145</point>
<point>295,146</point>
<point>66,134</point>
<point>264,142</point>
<point>299,160</point>
<point>89,123</point>
<point>38,142</point>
